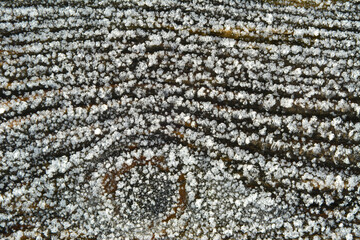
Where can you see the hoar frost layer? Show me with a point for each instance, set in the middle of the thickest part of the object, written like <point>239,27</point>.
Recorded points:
<point>180,119</point>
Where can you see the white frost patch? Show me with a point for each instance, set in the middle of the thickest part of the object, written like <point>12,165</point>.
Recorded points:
<point>250,199</point>
<point>58,165</point>
<point>228,42</point>
<point>198,203</point>
<point>286,102</point>
<point>98,131</point>
<point>269,18</point>
<point>269,101</point>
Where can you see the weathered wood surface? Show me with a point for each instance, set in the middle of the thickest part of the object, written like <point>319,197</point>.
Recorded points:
<point>179,119</point>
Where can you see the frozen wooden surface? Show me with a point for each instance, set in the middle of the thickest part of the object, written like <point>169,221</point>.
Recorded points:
<point>179,119</point>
